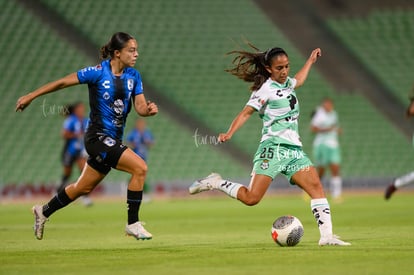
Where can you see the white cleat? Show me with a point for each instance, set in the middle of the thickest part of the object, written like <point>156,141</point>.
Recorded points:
<point>334,240</point>
<point>138,231</point>
<point>205,184</point>
<point>40,221</point>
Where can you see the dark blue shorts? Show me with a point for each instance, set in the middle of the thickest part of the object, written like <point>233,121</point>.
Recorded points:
<point>104,151</point>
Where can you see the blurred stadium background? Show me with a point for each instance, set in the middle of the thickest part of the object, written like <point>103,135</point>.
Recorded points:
<point>367,68</point>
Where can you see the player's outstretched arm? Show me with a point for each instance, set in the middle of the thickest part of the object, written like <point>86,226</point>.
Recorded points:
<point>303,73</point>
<point>50,87</point>
<point>238,122</point>
<point>144,107</point>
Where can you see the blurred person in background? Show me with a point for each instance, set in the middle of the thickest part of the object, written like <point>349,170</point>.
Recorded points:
<point>140,140</point>
<point>407,178</point>
<point>73,132</point>
<point>326,149</point>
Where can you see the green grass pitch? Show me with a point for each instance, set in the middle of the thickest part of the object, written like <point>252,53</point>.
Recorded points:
<point>210,236</point>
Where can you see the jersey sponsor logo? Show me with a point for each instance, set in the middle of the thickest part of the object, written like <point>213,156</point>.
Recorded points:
<point>130,84</point>
<point>106,83</point>
<point>106,96</point>
<point>94,68</point>
<point>117,122</point>
<point>118,106</point>
<point>292,101</point>
<point>279,93</point>
<point>283,92</point>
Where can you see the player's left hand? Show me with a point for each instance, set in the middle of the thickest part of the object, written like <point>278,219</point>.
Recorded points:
<point>315,54</point>
<point>152,108</point>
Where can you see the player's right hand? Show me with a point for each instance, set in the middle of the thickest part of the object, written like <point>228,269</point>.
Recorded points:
<point>224,137</point>
<point>23,102</point>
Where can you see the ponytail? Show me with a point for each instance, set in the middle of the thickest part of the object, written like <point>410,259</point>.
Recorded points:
<point>105,52</point>
<point>251,66</point>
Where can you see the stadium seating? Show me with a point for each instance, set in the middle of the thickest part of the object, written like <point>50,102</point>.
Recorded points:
<point>383,41</point>
<point>31,143</point>
<point>33,55</point>
<point>182,46</point>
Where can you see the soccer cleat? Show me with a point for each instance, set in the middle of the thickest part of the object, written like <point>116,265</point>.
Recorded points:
<point>205,184</point>
<point>334,240</point>
<point>389,191</point>
<point>138,231</point>
<point>40,220</point>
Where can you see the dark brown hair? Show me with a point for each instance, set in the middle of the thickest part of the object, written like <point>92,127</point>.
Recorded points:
<point>251,66</point>
<point>116,43</point>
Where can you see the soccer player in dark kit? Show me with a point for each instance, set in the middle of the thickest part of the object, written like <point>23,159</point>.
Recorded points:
<point>114,87</point>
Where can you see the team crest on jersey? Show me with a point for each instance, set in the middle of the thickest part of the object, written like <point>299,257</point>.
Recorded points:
<point>130,84</point>
<point>265,164</point>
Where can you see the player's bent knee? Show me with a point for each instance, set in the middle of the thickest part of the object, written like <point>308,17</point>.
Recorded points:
<point>140,169</point>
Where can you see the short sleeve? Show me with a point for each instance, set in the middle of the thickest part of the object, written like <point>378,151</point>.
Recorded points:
<point>139,89</point>
<point>317,119</point>
<point>258,99</point>
<point>68,125</point>
<point>292,82</point>
<point>130,136</point>
<point>90,75</point>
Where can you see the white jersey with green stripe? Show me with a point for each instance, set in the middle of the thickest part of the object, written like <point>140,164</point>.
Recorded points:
<point>326,120</point>
<point>278,107</point>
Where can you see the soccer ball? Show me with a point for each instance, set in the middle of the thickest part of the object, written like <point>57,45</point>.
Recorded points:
<point>287,231</point>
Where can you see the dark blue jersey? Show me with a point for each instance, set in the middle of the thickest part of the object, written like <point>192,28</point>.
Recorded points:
<point>110,97</point>
<point>76,126</point>
<point>140,142</point>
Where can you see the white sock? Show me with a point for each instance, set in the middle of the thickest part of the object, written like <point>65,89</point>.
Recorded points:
<point>322,213</point>
<point>404,180</point>
<point>335,185</point>
<point>228,187</point>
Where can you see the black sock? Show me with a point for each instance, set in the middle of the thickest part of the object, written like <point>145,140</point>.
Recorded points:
<point>59,201</point>
<point>63,183</point>
<point>134,199</point>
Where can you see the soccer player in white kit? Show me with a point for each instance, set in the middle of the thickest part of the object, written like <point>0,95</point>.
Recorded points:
<point>280,150</point>
<point>407,178</point>
<point>326,150</point>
